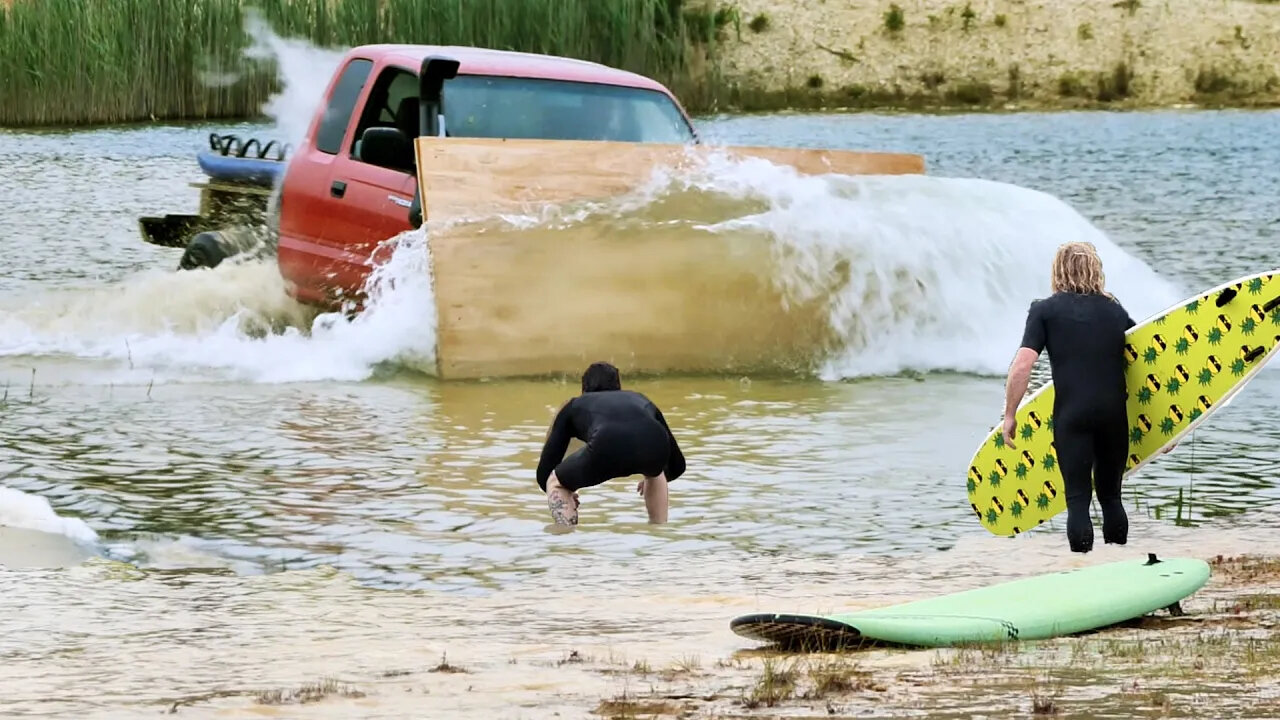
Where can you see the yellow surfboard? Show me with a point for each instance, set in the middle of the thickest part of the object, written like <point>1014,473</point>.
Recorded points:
<point>1182,364</point>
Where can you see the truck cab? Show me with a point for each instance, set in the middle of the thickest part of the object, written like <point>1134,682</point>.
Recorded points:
<point>352,184</point>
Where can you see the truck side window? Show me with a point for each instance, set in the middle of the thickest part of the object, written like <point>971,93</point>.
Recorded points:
<point>343,101</point>
<point>513,107</point>
<point>393,102</point>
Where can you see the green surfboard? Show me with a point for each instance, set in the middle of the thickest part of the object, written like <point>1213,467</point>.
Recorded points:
<point>1033,608</point>
<point>1182,364</point>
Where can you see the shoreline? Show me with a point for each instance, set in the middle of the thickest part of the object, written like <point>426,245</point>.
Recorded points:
<point>815,104</point>
<point>711,115</point>
<point>1220,652</point>
<point>931,106</point>
<point>1147,661</point>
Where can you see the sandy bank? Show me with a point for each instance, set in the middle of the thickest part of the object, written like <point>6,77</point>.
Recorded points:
<point>1218,660</point>
<point>1018,53</point>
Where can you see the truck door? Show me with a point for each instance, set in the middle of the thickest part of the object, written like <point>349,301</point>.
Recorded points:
<point>369,204</point>
<point>305,261</point>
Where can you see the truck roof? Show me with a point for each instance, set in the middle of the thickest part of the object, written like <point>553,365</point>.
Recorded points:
<point>484,61</point>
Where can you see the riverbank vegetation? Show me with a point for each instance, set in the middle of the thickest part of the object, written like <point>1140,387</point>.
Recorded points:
<point>87,61</point>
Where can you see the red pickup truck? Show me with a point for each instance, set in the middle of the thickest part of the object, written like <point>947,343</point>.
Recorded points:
<point>351,183</point>
<point>495,132</point>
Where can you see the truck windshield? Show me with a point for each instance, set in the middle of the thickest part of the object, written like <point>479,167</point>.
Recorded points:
<point>507,107</point>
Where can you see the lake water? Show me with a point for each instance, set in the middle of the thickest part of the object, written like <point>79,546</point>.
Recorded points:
<point>229,512</point>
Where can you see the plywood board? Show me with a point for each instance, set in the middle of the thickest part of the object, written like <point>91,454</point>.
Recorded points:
<point>649,297</point>
<point>460,176</point>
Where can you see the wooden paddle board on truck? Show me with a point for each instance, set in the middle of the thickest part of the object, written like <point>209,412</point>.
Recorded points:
<point>1033,608</point>
<point>1182,364</point>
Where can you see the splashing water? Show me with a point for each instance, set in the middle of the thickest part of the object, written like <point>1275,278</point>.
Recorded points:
<point>32,512</point>
<point>237,318</point>
<point>304,72</point>
<point>917,272</point>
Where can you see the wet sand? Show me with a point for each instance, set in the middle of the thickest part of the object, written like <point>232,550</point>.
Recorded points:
<point>313,643</point>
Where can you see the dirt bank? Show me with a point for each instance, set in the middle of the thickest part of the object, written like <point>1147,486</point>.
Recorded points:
<point>1000,53</point>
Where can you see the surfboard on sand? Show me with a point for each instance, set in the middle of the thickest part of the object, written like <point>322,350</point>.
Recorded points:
<point>1182,364</point>
<point>1037,607</point>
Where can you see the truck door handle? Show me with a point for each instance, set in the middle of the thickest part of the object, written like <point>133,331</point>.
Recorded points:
<point>338,188</point>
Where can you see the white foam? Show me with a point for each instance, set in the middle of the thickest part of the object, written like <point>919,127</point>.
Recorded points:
<point>920,273</point>
<point>923,273</point>
<point>220,319</point>
<point>32,512</point>
<point>942,269</point>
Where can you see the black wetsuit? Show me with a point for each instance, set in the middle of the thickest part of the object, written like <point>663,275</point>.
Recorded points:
<point>625,434</point>
<point>1084,335</point>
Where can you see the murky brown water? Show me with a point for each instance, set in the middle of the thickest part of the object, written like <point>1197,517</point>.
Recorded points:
<point>271,511</point>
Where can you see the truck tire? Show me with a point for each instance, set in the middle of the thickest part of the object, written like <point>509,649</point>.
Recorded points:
<point>204,250</point>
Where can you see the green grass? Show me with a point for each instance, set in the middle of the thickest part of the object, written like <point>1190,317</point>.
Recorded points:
<point>104,61</point>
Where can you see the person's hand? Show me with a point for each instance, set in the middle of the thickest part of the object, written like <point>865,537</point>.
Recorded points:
<point>1010,424</point>
<point>640,487</point>
<point>1169,449</point>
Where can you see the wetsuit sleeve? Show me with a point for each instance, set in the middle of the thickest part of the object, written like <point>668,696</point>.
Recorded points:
<point>553,449</point>
<point>1033,333</point>
<point>675,458</point>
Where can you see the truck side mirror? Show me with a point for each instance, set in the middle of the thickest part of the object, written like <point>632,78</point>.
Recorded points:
<point>387,147</point>
<point>434,72</point>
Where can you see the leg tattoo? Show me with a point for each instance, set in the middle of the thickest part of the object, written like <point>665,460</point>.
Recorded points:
<point>563,505</point>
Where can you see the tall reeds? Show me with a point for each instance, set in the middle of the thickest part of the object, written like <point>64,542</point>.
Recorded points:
<point>103,61</point>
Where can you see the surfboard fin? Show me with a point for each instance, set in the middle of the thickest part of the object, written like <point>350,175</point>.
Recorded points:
<point>1152,559</point>
<point>1225,296</point>
<point>1176,609</point>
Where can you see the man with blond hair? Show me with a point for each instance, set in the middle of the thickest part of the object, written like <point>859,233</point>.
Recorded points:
<point>1083,327</point>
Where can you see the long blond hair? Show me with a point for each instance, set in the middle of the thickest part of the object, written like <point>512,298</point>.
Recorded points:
<point>1078,269</point>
